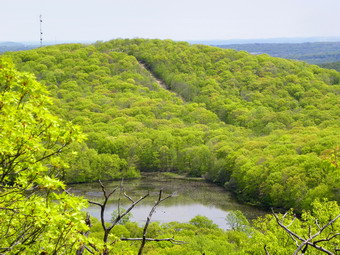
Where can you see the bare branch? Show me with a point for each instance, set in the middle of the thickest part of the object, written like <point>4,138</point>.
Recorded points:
<point>317,224</point>
<point>160,199</point>
<point>95,203</point>
<point>295,241</point>
<point>88,249</point>
<point>327,239</point>
<point>172,240</point>
<point>325,226</point>
<point>265,249</point>
<point>291,222</point>
<point>107,196</point>
<point>9,209</point>
<point>119,217</point>
<point>119,196</point>
<point>102,209</point>
<point>308,241</point>
<point>305,242</point>
<point>286,229</point>
<point>86,234</point>
<point>131,200</point>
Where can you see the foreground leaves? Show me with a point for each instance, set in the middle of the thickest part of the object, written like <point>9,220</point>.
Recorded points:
<point>35,215</point>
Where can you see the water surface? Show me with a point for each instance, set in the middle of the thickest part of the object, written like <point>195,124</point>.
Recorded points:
<point>190,198</point>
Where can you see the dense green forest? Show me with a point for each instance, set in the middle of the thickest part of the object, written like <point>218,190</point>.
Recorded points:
<point>333,65</point>
<point>311,52</point>
<point>265,128</point>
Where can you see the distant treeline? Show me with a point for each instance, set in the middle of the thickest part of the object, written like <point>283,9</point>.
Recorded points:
<point>313,53</point>
<point>334,65</point>
<point>13,46</point>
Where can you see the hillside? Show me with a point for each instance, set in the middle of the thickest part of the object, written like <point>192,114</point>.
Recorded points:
<point>333,65</point>
<point>264,127</point>
<point>15,46</point>
<point>313,53</point>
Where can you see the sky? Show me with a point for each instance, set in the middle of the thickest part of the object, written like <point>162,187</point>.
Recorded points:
<point>93,20</point>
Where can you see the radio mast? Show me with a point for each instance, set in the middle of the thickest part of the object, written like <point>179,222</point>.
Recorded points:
<point>41,33</point>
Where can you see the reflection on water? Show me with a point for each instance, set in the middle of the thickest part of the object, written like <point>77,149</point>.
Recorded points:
<point>190,198</point>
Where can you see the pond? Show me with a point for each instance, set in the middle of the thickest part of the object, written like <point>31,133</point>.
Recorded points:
<point>190,198</point>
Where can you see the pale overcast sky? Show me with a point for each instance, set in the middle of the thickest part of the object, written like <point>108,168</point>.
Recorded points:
<point>81,20</point>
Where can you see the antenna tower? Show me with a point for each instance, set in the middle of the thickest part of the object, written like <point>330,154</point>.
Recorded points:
<point>41,33</point>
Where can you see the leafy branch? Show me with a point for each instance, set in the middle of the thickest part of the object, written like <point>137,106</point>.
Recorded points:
<point>310,241</point>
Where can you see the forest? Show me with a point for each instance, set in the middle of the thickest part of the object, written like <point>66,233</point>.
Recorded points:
<point>332,65</point>
<point>310,52</point>
<point>265,128</point>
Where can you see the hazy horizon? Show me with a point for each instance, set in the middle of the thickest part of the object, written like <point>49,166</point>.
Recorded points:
<point>292,40</point>
<point>180,20</point>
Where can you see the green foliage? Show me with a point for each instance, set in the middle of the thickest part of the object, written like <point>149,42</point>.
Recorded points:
<point>333,65</point>
<point>263,127</point>
<point>124,220</point>
<point>278,241</point>
<point>35,216</point>
<point>202,222</point>
<point>290,109</point>
<point>198,239</point>
<point>237,221</point>
<point>201,236</point>
<point>131,122</point>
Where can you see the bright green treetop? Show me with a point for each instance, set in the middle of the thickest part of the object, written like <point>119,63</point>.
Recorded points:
<point>35,217</point>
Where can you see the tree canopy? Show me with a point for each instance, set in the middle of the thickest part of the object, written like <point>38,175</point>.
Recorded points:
<point>264,127</point>
<point>35,216</point>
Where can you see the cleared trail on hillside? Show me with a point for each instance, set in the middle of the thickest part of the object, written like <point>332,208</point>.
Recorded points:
<point>160,82</point>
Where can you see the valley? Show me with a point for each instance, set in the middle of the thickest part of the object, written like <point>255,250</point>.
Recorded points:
<point>264,128</point>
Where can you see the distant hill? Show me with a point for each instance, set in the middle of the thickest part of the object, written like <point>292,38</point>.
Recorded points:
<point>15,46</point>
<point>333,65</point>
<point>18,46</point>
<point>11,44</point>
<point>266,40</point>
<point>313,53</point>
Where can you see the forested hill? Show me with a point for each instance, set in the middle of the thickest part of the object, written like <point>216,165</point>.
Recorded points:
<point>14,46</point>
<point>333,65</point>
<point>310,52</point>
<point>266,128</point>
